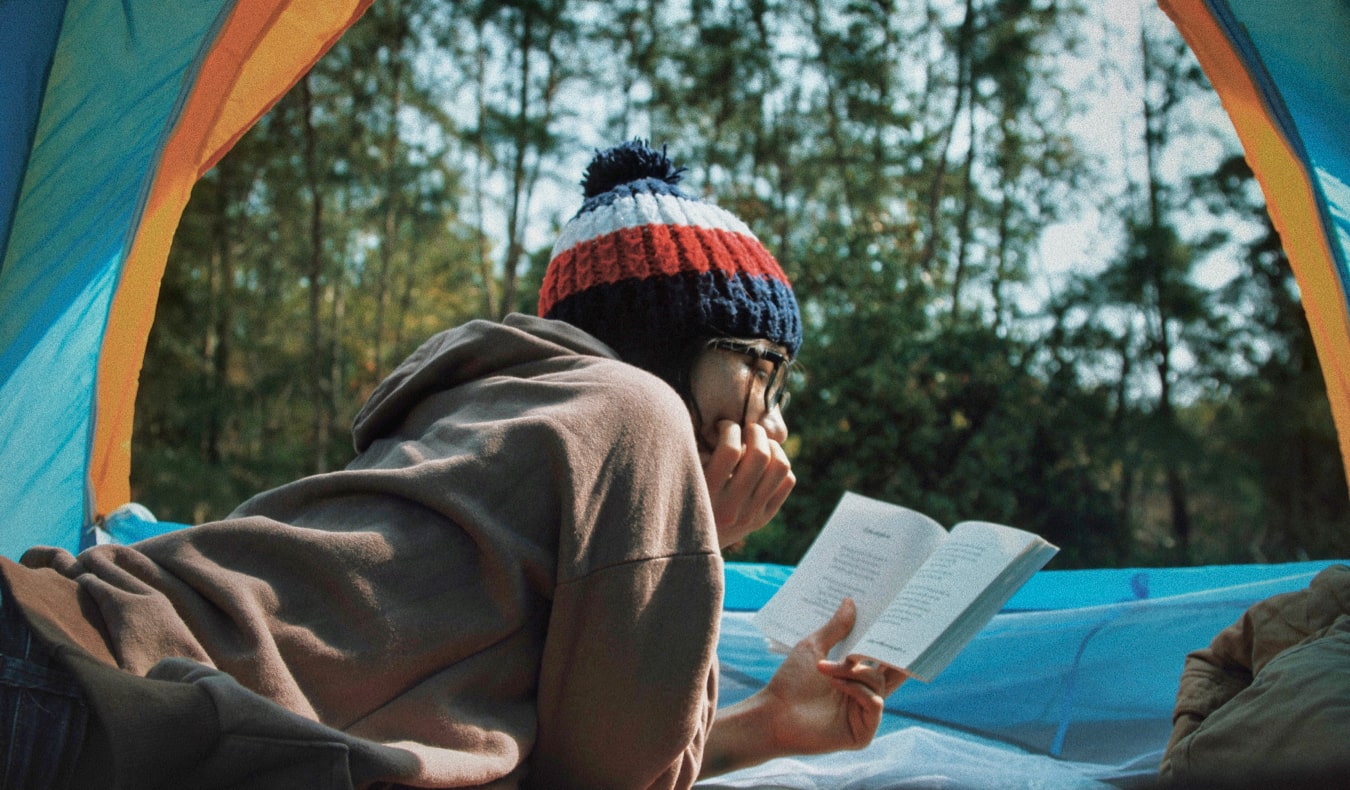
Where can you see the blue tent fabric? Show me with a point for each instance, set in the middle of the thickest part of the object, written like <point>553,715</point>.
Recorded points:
<point>1311,112</point>
<point>28,31</point>
<point>81,148</point>
<point>1071,685</point>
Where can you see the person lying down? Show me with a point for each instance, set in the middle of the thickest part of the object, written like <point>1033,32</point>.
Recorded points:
<point>517,581</point>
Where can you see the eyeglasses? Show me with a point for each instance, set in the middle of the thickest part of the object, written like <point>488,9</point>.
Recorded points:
<point>773,382</point>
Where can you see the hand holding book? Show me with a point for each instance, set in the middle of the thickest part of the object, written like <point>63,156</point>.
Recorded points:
<point>811,705</point>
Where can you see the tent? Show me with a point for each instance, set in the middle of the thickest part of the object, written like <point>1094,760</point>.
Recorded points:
<point>113,110</point>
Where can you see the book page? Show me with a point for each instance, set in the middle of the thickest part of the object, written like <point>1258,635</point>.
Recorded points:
<point>958,572</point>
<point>867,550</point>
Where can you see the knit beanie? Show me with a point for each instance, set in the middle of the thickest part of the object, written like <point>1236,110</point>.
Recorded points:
<point>652,271</point>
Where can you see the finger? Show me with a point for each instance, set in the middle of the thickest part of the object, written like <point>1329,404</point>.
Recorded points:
<point>769,469</point>
<point>860,693</point>
<point>855,668</point>
<point>864,711</point>
<point>775,499</point>
<point>838,627</point>
<point>894,678</point>
<point>775,483</point>
<point>726,454</point>
<point>854,671</point>
<point>754,460</point>
<point>881,678</point>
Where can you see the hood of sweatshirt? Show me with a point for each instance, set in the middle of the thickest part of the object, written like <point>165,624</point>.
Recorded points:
<point>467,353</point>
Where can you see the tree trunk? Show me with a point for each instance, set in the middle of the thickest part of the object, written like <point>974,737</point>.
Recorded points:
<point>937,186</point>
<point>968,198</point>
<point>515,214</point>
<point>481,156</point>
<point>219,311</point>
<point>320,382</point>
<point>389,230</point>
<point>1157,263</point>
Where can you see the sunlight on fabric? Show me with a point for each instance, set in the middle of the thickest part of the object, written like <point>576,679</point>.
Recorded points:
<point>42,490</point>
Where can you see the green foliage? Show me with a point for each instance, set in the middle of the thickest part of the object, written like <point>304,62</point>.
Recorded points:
<point>952,424</point>
<point>901,159</point>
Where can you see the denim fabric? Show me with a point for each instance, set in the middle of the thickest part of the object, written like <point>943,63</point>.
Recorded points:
<point>42,711</point>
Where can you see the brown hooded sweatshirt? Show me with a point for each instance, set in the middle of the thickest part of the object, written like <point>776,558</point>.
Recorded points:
<point>515,583</point>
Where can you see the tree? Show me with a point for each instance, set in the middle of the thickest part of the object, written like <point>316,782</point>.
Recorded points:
<point>512,136</point>
<point>1149,304</point>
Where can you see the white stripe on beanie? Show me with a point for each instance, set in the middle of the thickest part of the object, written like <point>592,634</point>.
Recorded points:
<point>644,208</point>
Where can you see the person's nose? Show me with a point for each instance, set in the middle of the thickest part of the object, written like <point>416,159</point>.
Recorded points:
<point>774,425</point>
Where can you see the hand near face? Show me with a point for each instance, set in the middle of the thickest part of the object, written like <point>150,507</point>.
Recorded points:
<point>749,477</point>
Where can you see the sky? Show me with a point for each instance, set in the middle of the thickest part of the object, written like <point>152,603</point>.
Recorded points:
<point>1111,132</point>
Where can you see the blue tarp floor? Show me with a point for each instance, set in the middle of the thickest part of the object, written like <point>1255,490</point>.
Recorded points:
<point>1071,685</point>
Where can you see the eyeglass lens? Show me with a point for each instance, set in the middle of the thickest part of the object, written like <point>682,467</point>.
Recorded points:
<point>775,386</point>
<point>775,391</point>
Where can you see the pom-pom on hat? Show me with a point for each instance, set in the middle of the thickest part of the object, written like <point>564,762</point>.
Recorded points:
<point>651,270</point>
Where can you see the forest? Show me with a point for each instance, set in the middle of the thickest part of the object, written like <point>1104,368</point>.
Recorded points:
<point>1038,281</point>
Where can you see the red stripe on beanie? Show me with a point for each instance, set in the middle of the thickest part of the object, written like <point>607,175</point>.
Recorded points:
<point>651,251</point>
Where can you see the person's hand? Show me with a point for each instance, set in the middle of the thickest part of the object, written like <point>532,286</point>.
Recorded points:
<point>811,705</point>
<point>822,705</point>
<point>749,477</point>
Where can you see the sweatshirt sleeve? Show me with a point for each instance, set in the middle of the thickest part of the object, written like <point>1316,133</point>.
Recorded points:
<point>627,684</point>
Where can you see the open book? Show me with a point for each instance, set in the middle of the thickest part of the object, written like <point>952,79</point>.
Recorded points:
<point>922,592</point>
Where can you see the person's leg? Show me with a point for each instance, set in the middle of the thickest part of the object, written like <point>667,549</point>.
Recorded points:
<point>42,711</point>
